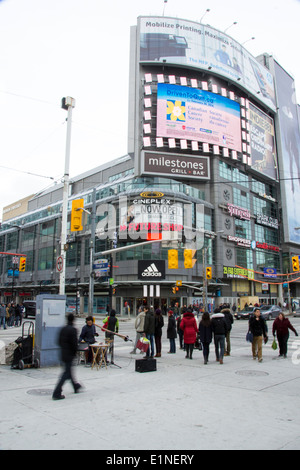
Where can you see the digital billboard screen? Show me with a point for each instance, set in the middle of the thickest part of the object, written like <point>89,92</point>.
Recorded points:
<point>190,44</point>
<point>262,142</point>
<point>192,114</point>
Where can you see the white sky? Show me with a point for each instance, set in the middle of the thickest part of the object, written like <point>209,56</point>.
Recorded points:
<point>80,48</point>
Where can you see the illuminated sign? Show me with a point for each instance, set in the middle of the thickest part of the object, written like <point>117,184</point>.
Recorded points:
<point>188,113</point>
<point>239,212</point>
<point>185,166</point>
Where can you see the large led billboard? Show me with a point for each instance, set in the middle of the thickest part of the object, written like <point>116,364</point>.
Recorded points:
<point>188,113</point>
<point>288,140</point>
<point>262,142</point>
<point>190,44</point>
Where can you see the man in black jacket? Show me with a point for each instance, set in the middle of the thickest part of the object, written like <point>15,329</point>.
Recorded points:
<point>219,329</point>
<point>259,330</point>
<point>67,340</point>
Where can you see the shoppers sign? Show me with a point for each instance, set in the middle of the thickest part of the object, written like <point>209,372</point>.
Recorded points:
<point>184,166</point>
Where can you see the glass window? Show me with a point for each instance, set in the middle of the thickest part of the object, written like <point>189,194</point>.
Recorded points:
<point>46,256</point>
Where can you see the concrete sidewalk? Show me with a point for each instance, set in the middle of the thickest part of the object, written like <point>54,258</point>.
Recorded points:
<point>184,405</point>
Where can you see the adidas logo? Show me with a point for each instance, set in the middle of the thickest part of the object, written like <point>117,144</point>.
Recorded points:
<point>151,271</point>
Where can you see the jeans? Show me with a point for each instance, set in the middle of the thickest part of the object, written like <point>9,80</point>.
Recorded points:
<point>205,348</point>
<point>219,346</point>
<point>2,321</point>
<point>172,345</point>
<point>151,339</point>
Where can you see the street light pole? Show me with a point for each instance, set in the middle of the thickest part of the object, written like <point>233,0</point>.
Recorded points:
<point>68,103</point>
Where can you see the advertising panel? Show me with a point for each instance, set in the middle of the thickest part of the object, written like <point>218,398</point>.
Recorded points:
<point>187,113</point>
<point>172,165</point>
<point>190,44</point>
<point>262,142</point>
<point>289,141</point>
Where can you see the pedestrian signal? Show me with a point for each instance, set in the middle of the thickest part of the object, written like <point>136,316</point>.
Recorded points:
<point>208,273</point>
<point>295,263</point>
<point>22,263</point>
<point>173,259</point>
<point>76,215</point>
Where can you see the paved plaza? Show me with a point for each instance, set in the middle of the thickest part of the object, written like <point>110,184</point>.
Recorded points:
<point>184,405</point>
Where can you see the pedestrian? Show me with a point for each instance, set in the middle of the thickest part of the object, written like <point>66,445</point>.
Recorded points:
<point>2,316</point>
<point>171,332</point>
<point>229,321</point>
<point>17,315</point>
<point>205,333</point>
<point>139,325</point>
<point>150,329</point>
<point>281,326</point>
<point>258,328</point>
<point>219,329</point>
<point>189,327</point>
<point>67,340</point>
<point>111,323</point>
<point>159,323</point>
<point>179,330</point>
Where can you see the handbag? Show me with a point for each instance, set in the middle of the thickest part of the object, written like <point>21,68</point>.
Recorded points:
<point>274,344</point>
<point>249,337</point>
<point>143,344</point>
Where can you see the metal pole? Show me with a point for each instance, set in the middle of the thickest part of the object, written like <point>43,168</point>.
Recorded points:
<point>67,103</point>
<point>92,251</point>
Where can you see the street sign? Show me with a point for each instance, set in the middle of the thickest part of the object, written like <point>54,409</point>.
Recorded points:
<point>100,264</point>
<point>59,264</point>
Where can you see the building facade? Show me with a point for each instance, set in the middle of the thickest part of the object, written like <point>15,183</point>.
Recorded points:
<point>213,166</point>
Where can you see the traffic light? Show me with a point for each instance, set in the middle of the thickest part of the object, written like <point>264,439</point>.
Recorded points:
<point>173,259</point>
<point>76,215</point>
<point>174,290</point>
<point>22,263</point>
<point>208,273</point>
<point>295,263</point>
<point>188,258</point>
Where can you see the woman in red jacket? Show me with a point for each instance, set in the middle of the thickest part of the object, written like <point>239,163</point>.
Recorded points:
<point>189,327</point>
<point>282,326</point>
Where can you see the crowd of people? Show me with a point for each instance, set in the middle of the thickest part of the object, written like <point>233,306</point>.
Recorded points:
<point>11,315</point>
<point>214,328</point>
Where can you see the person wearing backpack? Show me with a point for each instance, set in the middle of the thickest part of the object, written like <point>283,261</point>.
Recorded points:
<point>219,329</point>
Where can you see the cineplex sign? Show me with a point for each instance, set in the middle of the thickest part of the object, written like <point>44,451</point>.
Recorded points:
<point>184,166</point>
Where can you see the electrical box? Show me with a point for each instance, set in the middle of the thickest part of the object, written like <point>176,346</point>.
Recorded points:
<point>50,318</point>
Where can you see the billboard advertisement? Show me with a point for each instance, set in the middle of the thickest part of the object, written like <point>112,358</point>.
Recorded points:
<point>190,44</point>
<point>262,142</point>
<point>289,141</point>
<point>188,113</point>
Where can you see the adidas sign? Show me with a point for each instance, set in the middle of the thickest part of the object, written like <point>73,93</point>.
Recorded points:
<point>151,271</point>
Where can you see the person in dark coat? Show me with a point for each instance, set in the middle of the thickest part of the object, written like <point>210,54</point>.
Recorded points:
<point>159,323</point>
<point>219,329</point>
<point>258,328</point>
<point>150,329</point>
<point>87,335</point>
<point>281,326</point>
<point>171,332</point>
<point>205,333</point>
<point>67,340</point>
<point>189,327</point>
<point>229,321</point>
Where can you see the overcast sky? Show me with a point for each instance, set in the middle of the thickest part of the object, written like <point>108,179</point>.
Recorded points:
<point>80,48</point>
